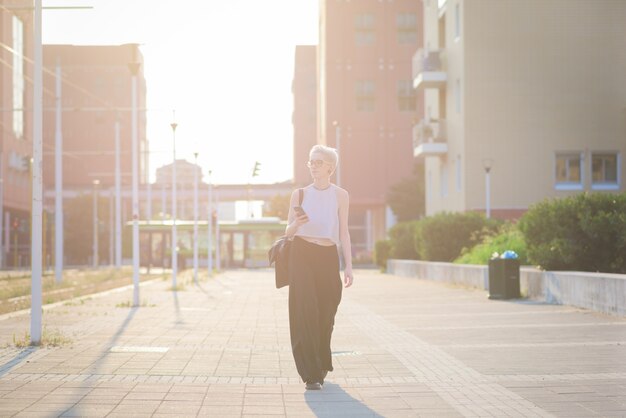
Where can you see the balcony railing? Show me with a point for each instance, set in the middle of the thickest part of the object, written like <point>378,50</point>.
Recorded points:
<point>429,69</point>
<point>429,138</point>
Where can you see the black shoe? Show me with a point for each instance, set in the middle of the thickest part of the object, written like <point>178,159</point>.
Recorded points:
<point>313,386</point>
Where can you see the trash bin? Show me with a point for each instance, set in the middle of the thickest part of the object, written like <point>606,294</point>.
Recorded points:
<point>504,278</point>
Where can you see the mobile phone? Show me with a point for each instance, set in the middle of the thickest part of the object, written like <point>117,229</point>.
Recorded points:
<point>299,210</point>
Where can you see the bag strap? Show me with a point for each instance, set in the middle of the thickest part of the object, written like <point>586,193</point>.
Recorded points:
<point>301,196</point>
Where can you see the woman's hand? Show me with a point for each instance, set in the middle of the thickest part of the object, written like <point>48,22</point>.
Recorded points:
<point>347,277</point>
<point>301,220</point>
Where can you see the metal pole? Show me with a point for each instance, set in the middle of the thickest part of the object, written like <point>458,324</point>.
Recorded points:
<point>1,213</point>
<point>37,193</point>
<point>95,224</point>
<point>135,166</point>
<point>174,204</point>
<point>149,185</point>
<point>58,183</point>
<point>163,209</point>
<point>218,261</point>
<point>195,218</point>
<point>111,227</point>
<point>488,192</point>
<point>118,199</point>
<point>210,229</point>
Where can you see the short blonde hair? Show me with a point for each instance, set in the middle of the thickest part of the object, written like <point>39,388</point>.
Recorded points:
<point>330,154</point>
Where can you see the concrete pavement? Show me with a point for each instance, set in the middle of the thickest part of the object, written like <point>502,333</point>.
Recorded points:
<point>402,348</point>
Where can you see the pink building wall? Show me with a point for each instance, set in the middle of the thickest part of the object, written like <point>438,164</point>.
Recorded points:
<point>376,146</point>
<point>96,92</point>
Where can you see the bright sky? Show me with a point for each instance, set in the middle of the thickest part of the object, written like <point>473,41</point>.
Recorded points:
<point>226,67</point>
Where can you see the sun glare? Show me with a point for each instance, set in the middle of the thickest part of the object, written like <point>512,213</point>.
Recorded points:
<point>225,67</point>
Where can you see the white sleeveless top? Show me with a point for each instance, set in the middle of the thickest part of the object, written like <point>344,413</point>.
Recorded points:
<point>323,211</point>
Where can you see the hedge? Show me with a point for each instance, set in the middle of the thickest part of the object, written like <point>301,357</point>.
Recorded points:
<point>443,237</point>
<point>586,232</point>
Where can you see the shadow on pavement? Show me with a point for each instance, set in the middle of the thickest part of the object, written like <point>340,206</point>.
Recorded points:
<point>203,290</point>
<point>17,359</point>
<point>332,400</point>
<point>179,319</point>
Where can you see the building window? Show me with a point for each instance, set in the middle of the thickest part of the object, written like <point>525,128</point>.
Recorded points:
<point>457,96</point>
<point>568,171</point>
<point>407,99</point>
<point>18,77</point>
<point>429,184</point>
<point>457,22</point>
<point>365,96</point>
<point>364,29</point>
<point>406,24</point>
<point>605,169</point>
<point>443,177</point>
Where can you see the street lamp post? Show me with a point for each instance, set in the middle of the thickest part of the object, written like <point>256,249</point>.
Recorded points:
<point>134,69</point>
<point>37,184</point>
<point>58,183</point>
<point>195,218</point>
<point>111,228</point>
<point>148,185</point>
<point>174,204</point>
<point>1,215</point>
<point>338,147</point>
<point>210,229</point>
<point>218,255</point>
<point>118,199</point>
<point>96,183</point>
<point>487,165</point>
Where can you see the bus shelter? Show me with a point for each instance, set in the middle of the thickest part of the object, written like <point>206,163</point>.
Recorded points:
<point>243,243</point>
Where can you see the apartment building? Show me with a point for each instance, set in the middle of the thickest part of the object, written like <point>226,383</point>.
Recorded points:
<point>524,100</point>
<point>16,71</point>
<point>95,94</point>
<point>366,103</point>
<point>304,118</point>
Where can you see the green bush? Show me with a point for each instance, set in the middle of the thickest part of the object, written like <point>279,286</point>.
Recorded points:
<point>402,238</point>
<point>443,237</point>
<point>381,253</point>
<point>586,232</point>
<point>508,237</point>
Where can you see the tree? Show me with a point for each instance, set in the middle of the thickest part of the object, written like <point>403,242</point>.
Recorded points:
<point>406,198</point>
<point>279,206</point>
<point>78,225</point>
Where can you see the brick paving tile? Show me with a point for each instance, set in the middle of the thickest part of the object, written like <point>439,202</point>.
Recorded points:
<point>401,348</point>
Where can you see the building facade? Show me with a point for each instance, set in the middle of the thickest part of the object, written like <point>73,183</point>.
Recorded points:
<point>304,118</point>
<point>95,94</point>
<point>16,145</point>
<point>366,103</point>
<point>523,101</point>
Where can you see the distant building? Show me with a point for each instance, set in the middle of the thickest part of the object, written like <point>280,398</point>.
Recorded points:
<point>304,117</point>
<point>16,145</point>
<point>96,92</point>
<point>367,105</point>
<point>533,92</point>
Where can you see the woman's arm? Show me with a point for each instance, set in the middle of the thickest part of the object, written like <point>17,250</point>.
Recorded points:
<point>294,221</point>
<point>344,236</point>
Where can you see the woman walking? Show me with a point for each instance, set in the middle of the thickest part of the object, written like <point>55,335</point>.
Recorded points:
<point>318,227</point>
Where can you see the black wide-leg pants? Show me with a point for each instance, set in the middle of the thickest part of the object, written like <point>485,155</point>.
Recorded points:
<point>314,294</point>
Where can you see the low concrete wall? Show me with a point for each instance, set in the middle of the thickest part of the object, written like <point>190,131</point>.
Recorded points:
<point>600,292</point>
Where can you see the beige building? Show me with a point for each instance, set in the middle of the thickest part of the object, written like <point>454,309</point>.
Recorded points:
<point>532,92</point>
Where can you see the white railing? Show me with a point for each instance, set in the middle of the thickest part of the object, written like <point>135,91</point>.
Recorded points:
<point>424,60</point>
<point>428,132</point>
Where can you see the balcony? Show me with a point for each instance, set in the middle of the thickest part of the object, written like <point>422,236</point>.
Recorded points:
<point>429,69</point>
<point>430,139</point>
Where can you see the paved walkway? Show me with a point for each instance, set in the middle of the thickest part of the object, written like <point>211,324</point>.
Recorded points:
<point>402,348</point>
